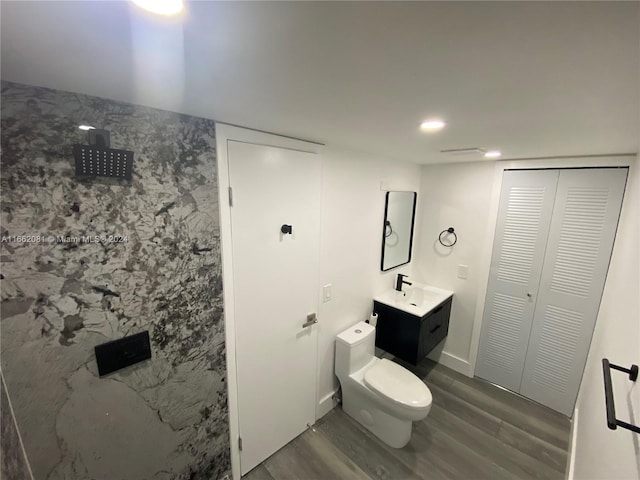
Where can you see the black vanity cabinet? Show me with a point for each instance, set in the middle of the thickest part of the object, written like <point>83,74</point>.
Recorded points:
<point>407,336</point>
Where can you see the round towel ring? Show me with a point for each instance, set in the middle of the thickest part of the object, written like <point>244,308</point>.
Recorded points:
<point>447,231</point>
<point>389,232</point>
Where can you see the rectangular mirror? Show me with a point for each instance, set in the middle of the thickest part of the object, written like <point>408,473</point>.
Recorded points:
<point>397,231</point>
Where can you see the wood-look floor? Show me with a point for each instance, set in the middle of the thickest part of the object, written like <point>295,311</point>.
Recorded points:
<point>473,431</point>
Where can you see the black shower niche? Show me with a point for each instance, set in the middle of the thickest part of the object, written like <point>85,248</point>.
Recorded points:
<point>99,160</point>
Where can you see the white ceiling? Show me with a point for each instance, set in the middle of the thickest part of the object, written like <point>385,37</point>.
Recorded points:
<point>533,79</point>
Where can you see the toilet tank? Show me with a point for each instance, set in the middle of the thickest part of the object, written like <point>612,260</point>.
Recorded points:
<point>354,348</point>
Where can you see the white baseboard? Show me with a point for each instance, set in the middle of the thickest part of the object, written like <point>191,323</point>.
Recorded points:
<point>451,361</point>
<point>325,405</point>
<point>573,435</point>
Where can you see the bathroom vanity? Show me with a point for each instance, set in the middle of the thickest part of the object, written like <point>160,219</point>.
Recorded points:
<point>412,323</point>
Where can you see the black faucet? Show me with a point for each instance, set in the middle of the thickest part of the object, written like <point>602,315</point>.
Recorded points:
<point>401,281</point>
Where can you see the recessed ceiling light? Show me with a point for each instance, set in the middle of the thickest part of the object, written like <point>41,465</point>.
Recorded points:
<point>86,127</point>
<point>432,125</point>
<point>161,7</point>
<point>493,154</point>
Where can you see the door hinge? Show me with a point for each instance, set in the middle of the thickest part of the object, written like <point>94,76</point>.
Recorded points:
<point>240,443</point>
<point>230,197</point>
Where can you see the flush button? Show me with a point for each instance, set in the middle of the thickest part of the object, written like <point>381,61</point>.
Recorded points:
<point>117,354</point>
<point>358,331</point>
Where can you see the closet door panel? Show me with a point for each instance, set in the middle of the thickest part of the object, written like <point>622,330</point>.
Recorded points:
<point>583,227</point>
<point>524,216</point>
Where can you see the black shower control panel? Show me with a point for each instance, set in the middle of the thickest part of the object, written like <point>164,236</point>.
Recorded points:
<point>112,356</point>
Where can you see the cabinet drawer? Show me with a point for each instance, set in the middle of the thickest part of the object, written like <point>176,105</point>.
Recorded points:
<point>439,324</point>
<point>435,327</point>
<point>409,337</point>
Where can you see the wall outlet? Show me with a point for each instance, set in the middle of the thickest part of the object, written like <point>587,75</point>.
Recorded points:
<point>463,271</point>
<point>326,293</point>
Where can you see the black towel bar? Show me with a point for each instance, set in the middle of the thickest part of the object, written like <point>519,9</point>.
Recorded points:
<point>612,421</point>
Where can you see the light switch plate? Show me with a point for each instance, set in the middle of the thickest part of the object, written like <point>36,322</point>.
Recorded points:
<point>463,271</point>
<point>326,293</point>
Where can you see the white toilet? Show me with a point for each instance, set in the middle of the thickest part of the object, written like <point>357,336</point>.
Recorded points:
<point>378,393</point>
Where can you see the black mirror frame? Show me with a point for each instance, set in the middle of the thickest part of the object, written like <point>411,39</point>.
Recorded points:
<point>384,230</point>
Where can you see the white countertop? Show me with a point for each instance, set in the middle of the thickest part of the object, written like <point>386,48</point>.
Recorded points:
<point>417,299</point>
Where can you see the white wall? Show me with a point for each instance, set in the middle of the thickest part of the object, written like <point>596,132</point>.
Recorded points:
<point>351,243</point>
<point>350,249</point>
<point>598,452</point>
<point>466,196</point>
<point>455,195</point>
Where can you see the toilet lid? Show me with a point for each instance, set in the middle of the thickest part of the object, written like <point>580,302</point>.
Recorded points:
<point>398,384</point>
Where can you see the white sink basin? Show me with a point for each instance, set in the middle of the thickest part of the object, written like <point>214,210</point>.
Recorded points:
<point>417,299</point>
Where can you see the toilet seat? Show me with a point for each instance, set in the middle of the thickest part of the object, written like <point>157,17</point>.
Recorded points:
<point>397,384</point>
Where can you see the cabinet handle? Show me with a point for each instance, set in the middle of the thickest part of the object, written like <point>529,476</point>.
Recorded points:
<point>434,329</point>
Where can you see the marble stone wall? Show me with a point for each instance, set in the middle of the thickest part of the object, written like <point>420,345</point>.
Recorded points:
<point>165,418</point>
<point>14,464</point>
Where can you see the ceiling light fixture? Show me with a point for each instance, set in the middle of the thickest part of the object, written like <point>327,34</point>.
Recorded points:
<point>161,7</point>
<point>432,125</point>
<point>86,127</point>
<point>493,154</point>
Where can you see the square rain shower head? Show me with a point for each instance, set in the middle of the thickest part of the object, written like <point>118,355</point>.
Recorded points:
<point>93,161</point>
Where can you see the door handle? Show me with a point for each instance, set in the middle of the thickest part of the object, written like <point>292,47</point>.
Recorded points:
<point>311,320</point>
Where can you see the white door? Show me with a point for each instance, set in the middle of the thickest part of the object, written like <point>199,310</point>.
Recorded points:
<point>275,289</point>
<point>583,227</point>
<point>526,204</point>
<point>553,242</point>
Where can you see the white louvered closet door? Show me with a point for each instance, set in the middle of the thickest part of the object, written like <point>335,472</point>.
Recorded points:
<point>583,227</point>
<point>524,216</point>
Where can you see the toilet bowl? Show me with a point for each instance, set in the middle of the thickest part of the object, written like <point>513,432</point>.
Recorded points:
<point>381,395</point>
